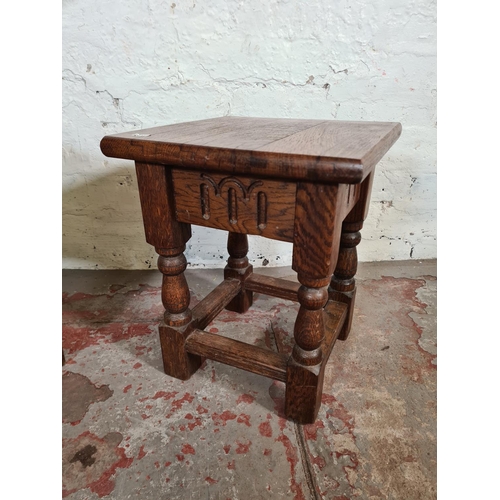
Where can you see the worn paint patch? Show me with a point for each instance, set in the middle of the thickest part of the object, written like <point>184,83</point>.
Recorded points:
<point>222,419</point>
<point>376,432</point>
<point>76,338</point>
<point>91,462</point>
<point>243,447</point>
<point>123,313</point>
<point>187,449</point>
<point>78,393</point>
<point>245,398</point>
<point>293,459</point>
<point>265,429</point>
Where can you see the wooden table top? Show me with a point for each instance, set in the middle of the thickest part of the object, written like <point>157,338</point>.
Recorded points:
<point>327,151</point>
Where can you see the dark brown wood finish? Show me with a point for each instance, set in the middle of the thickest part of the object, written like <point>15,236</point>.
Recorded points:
<point>304,385</point>
<point>343,285</point>
<point>275,287</point>
<point>235,203</point>
<point>314,269</point>
<point>335,316</point>
<point>158,208</point>
<point>238,268</point>
<point>175,294</point>
<point>304,181</point>
<point>311,150</point>
<point>319,232</point>
<point>207,309</point>
<point>235,353</point>
<point>169,238</point>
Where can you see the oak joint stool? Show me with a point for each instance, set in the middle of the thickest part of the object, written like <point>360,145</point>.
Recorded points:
<point>303,181</point>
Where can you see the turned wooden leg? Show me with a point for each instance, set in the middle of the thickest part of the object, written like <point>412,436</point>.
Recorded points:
<point>343,284</point>
<point>175,297</point>
<point>315,248</point>
<point>304,382</point>
<point>239,268</point>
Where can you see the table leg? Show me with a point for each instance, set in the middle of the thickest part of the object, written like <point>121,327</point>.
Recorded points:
<point>304,383</point>
<point>169,238</point>
<point>175,295</point>
<point>239,268</point>
<point>343,285</point>
<point>315,252</point>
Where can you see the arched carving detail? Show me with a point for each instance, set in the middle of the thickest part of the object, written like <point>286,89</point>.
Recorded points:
<point>245,191</point>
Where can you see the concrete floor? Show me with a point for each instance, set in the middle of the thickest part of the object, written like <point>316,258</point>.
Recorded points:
<point>130,431</point>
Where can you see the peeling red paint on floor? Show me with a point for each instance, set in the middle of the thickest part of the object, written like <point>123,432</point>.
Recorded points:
<point>361,454</point>
<point>245,398</point>
<point>90,462</point>
<point>200,409</point>
<point>178,403</point>
<point>162,394</point>
<point>243,447</point>
<point>187,449</point>
<point>311,430</point>
<point>336,410</point>
<point>265,429</point>
<point>244,419</point>
<point>293,460</point>
<point>319,461</point>
<point>76,338</point>
<point>221,419</point>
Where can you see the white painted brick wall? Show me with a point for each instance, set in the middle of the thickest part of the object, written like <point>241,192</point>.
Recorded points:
<point>141,63</point>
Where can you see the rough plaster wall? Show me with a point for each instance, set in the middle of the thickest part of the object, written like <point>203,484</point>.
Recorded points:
<point>131,64</point>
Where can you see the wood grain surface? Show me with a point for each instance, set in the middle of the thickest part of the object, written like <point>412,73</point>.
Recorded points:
<point>158,210</point>
<point>276,287</point>
<point>304,384</point>
<point>207,309</point>
<point>318,224</point>
<point>238,268</point>
<point>235,203</point>
<point>334,318</point>
<point>239,354</point>
<point>329,151</point>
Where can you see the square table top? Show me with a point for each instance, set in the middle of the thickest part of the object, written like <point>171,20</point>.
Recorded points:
<point>327,151</point>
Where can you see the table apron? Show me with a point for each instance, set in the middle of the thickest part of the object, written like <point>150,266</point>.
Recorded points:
<point>240,204</point>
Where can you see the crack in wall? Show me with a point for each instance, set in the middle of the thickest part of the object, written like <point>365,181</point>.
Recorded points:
<point>76,76</point>
<point>255,79</point>
<point>118,104</point>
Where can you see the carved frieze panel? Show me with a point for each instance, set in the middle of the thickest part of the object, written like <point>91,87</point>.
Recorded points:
<point>241,204</point>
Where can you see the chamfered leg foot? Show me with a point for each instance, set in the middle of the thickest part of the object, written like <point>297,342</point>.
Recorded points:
<point>177,362</point>
<point>304,388</point>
